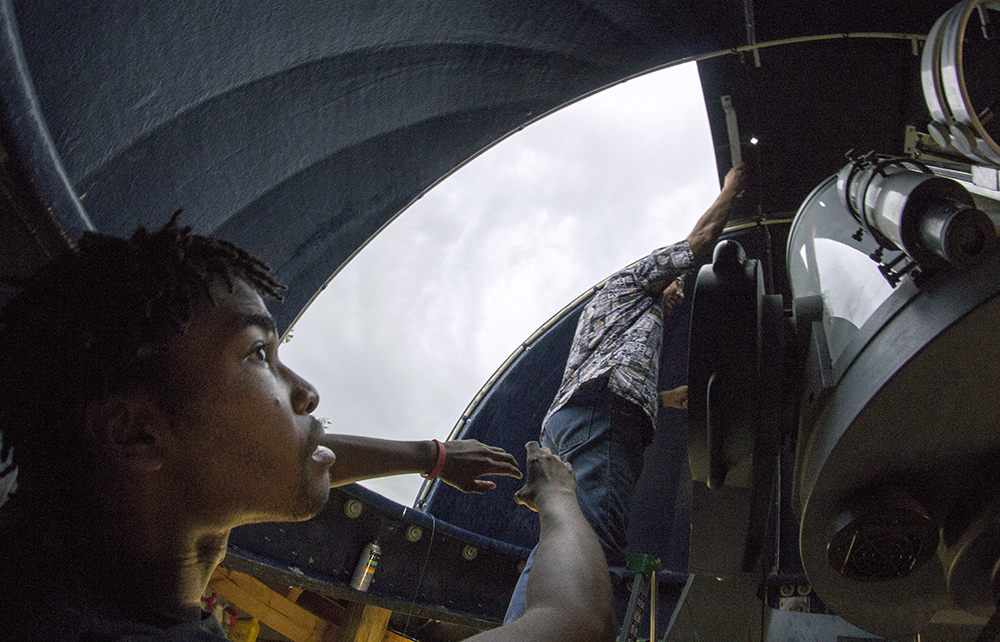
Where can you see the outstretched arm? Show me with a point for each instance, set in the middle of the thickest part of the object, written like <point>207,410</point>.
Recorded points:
<point>569,593</point>
<point>466,460</point>
<point>708,228</point>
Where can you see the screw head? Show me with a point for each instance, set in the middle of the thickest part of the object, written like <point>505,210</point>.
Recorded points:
<point>353,508</point>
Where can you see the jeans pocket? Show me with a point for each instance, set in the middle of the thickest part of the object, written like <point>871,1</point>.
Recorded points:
<point>568,429</point>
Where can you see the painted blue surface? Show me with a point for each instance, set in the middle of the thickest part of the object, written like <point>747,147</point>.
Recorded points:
<point>25,123</point>
<point>298,129</point>
<point>431,577</point>
<point>430,573</point>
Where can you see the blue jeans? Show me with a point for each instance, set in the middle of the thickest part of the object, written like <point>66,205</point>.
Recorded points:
<point>603,437</point>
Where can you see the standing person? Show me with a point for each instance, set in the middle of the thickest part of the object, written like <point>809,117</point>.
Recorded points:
<point>604,414</point>
<point>149,414</point>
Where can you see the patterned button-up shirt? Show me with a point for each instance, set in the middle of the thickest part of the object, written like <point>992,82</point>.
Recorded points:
<point>620,332</point>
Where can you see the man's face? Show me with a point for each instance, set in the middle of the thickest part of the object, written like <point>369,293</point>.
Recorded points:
<point>673,294</point>
<point>247,442</point>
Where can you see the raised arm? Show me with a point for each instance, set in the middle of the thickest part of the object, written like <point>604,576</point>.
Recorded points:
<point>569,593</point>
<point>708,228</point>
<point>465,460</point>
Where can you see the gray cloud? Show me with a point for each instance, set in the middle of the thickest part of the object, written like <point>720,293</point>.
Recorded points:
<point>402,339</point>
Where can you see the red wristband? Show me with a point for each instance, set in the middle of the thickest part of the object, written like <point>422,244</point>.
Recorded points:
<point>438,465</point>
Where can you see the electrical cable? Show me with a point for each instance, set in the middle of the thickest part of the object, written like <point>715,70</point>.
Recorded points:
<point>423,572</point>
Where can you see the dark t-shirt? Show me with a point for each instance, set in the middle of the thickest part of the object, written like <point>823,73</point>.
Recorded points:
<point>55,623</point>
<point>205,630</point>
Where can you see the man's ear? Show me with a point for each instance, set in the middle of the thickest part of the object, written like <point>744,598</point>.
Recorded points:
<point>130,429</point>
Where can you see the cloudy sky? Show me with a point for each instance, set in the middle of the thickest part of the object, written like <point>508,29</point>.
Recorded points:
<point>405,336</point>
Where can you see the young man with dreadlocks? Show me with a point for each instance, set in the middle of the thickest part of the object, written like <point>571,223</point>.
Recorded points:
<point>149,414</point>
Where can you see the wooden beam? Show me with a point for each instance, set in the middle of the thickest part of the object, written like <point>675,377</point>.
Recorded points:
<point>373,623</point>
<point>364,623</point>
<point>270,607</point>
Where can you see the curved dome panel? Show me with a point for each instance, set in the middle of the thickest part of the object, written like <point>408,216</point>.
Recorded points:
<point>299,129</point>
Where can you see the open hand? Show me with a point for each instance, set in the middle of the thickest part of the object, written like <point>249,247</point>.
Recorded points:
<point>468,459</point>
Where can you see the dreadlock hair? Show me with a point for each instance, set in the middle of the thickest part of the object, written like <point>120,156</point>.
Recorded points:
<point>95,322</point>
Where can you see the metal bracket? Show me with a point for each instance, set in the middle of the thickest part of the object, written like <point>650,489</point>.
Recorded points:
<point>733,130</point>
